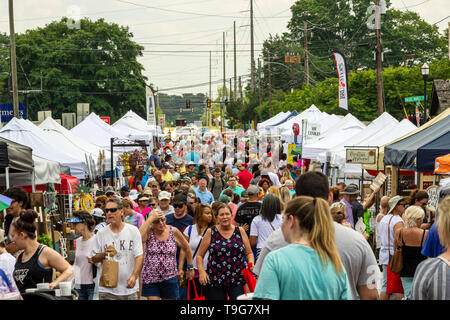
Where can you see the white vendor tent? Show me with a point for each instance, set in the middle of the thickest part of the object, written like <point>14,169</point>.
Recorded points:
<point>136,128</point>
<point>26,133</point>
<point>96,131</point>
<point>380,125</point>
<point>344,129</point>
<point>272,120</point>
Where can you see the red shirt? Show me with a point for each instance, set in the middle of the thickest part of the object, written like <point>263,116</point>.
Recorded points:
<point>244,178</point>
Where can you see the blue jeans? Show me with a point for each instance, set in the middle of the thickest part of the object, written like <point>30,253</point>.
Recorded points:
<point>86,291</point>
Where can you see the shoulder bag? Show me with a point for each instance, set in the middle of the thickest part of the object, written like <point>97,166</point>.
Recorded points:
<point>396,263</point>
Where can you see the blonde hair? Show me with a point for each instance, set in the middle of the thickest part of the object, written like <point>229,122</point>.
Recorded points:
<point>411,214</point>
<point>285,195</point>
<point>228,173</point>
<point>313,216</point>
<point>274,190</point>
<point>444,222</point>
<point>337,210</point>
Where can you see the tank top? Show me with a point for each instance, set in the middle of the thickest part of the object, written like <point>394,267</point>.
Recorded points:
<point>160,261</point>
<point>28,274</point>
<point>412,256</point>
<point>226,259</point>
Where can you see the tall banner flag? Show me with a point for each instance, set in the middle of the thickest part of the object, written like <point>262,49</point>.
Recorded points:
<point>150,104</point>
<point>342,74</point>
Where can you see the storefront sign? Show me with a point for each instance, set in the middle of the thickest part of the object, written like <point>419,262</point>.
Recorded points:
<point>361,156</point>
<point>313,130</point>
<point>7,112</point>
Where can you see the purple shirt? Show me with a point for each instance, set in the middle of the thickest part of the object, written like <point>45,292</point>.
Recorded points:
<point>348,212</point>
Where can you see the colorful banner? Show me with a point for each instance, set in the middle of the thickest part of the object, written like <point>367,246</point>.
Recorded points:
<point>342,74</point>
<point>150,104</point>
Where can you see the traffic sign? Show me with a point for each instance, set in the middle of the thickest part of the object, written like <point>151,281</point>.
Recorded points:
<point>413,99</point>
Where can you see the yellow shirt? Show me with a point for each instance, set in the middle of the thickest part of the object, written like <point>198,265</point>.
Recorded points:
<point>167,177</point>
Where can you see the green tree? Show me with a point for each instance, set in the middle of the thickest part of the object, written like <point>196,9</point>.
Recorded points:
<point>96,64</point>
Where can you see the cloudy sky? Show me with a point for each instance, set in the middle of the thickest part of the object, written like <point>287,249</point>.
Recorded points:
<point>178,34</point>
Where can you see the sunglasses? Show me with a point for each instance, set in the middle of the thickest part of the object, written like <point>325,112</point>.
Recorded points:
<point>152,204</point>
<point>111,210</point>
<point>178,205</point>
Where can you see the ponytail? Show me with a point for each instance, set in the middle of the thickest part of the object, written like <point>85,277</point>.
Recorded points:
<point>313,215</point>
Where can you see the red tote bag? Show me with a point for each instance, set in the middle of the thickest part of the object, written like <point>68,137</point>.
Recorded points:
<point>195,291</point>
<point>249,278</point>
<point>394,283</point>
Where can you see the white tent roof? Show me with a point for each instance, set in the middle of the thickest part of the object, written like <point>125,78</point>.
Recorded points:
<point>380,124</point>
<point>132,125</point>
<point>344,129</point>
<point>53,128</point>
<point>26,133</point>
<point>272,120</point>
<point>312,114</point>
<point>96,131</point>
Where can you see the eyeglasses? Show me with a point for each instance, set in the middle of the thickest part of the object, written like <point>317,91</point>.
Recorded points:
<point>111,210</point>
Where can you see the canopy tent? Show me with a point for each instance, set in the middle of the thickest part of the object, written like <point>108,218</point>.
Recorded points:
<point>348,127</point>
<point>23,132</point>
<point>268,129</point>
<point>96,131</point>
<point>66,185</point>
<point>136,128</point>
<point>379,126</point>
<point>380,164</point>
<point>23,166</point>
<point>314,117</point>
<point>272,120</point>
<point>442,165</point>
<point>418,151</point>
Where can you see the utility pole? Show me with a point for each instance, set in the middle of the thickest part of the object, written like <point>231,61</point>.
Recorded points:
<point>224,87</point>
<point>240,88</point>
<point>292,64</point>
<point>269,84</point>
<point>252,49</point>
<point>260,83</point>
<point>13,60</point>
<point>379,57</point>
<point>305,27</point>
<point>208,110</point>
<point>235,63</point>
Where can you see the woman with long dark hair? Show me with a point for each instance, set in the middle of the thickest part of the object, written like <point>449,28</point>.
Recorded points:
<point>268,220</point>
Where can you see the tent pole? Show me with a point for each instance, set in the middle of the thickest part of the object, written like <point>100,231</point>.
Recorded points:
<point>7,177</point>
<point>33,181</point>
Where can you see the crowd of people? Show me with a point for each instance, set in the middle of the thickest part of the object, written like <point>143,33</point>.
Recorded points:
<point>185,221</point>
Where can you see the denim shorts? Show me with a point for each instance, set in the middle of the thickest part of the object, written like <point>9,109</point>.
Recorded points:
<point>167,289</point>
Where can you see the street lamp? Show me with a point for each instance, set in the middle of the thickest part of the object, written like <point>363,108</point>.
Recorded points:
<point>425,71</point>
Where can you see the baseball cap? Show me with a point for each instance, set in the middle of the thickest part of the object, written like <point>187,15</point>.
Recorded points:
<point>109,189</point>
<point>164,195</point>
<point>75,220</point>
<point>252,190</point>
<point>133,194</point>
<point>394,201</point>
<point>190,163</point>
<point>166,165</point>
<point>97,212</point>
<point>143,199</point>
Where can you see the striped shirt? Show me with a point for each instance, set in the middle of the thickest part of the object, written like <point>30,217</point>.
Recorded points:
<point>431,280</point>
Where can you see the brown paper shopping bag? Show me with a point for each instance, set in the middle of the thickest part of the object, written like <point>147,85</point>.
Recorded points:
<point>110,273</point>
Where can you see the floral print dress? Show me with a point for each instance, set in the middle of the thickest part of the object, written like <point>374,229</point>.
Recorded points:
<point>226,259</point>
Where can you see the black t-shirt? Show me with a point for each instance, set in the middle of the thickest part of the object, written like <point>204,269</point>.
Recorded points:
<point>180,224</point>
<point>247,212</point>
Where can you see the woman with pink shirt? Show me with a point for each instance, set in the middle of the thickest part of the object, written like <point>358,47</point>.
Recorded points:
<point>142,207</point>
